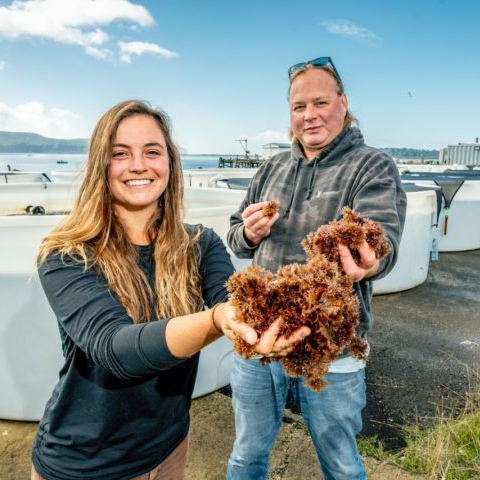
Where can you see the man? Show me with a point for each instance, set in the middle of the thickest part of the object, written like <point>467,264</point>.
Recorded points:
<point>328,167</point>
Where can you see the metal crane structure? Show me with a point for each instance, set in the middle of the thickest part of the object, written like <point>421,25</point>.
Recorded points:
<point>243,143</point>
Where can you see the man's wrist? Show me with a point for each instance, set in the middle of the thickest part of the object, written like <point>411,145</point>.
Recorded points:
<point>251,239</point>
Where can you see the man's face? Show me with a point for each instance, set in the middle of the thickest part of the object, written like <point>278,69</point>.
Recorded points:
<point>317,112</point>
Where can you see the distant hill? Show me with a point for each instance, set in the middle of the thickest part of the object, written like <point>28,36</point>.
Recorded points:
<point>411,153</point>
<point>24,142</point>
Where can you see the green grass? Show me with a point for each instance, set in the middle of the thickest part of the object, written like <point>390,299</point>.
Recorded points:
<point>372,447</point>
<point>447,450</point>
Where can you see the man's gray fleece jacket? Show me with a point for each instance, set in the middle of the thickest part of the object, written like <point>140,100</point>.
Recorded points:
<point>346,173</point>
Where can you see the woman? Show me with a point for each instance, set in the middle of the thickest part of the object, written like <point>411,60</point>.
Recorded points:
<point>128,281</point>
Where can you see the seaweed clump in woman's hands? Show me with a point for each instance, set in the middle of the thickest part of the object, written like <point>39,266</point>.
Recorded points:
<point>317,294</point>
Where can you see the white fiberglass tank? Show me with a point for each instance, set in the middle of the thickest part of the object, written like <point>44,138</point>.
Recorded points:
<point>30,348</point>
<point>52,197</point>
<point>414,253</point>
<point>212,207</point>
<point>459,226</point>
<point>430,167</point>
<point>67,176</point>
<point>210,177</point>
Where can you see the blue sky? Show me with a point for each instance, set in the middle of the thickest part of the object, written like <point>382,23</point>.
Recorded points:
<point>411,68</point>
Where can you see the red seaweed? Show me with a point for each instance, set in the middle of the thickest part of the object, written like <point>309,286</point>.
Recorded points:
<point>271,208</point>
<point>317,294</point>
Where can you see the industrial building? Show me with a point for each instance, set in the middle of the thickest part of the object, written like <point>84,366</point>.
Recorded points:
<point>270,149</point>
<point>461,154</point>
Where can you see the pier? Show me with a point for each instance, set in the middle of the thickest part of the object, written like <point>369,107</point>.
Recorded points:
<point>240,162</point>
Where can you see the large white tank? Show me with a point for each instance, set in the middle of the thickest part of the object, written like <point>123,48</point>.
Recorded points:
<point>212,177</point>
<point>458,227</point>
<point>52,197</point>
<point>413,260</point>
<point>30,349</point>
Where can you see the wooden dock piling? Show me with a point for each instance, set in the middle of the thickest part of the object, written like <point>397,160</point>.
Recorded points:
<point>240,162</point>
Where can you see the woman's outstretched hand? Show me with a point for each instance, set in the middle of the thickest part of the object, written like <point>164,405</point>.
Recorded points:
<point>269,344</point>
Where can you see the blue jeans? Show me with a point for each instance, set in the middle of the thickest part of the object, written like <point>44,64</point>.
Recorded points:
<point>332,416</point>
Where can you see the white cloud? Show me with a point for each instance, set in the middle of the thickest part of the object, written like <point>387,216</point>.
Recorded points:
<point>127,49</point>
<point>73,22</point>
<point>347,29</point>
<point>256,142</point>
<point>270,136</point>
<point>35,117</point>
<point>2,64</point>
<point>99,53</point>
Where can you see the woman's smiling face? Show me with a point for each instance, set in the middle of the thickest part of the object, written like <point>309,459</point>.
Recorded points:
<point>139,168</point>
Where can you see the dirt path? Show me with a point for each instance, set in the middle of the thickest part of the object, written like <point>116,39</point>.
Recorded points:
<point>211,438</point>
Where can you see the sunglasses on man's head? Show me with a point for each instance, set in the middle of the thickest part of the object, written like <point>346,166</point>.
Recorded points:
<point>317,62</point>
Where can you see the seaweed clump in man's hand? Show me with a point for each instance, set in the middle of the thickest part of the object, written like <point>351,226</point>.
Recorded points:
<point>351,230</point>
<point>271,208</point>
<point>317,294</point>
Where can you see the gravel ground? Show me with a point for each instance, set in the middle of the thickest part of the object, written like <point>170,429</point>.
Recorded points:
<point>425,348</point>
<point>211,439</point>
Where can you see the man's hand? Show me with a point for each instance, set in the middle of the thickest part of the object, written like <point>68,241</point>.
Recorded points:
<point>257,225</point>
<point>368,266</point>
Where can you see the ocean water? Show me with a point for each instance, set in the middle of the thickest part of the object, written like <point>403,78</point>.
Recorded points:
<point>48,162</point>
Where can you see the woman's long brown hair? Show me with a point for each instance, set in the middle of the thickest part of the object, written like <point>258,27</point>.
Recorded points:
<point>92,233</point>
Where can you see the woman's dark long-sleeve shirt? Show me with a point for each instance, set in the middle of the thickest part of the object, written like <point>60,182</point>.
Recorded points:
<point>121,404</point>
